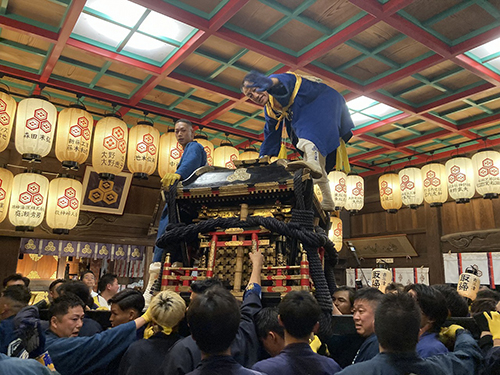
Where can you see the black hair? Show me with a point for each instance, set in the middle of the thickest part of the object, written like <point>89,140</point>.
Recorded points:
<point>128,299</point>
<point>432,304</point>
<point>488,293</point>
<point>396,287</point>
<point>369,294</point>
<point>266,320</point>
<point>214,319</point>
<point>397,322</point>
<point>55,282</point>
<point>82,275</point>
<point>456,304</point>
<point>299,312</point>
<point>345,288</point>
<point>201,286</point>
<point>61,305</point>
<point>17,293</point>
<point>16,277</point>
<point>480,305</point>
<point>78,288</point>
<point>106,279</point>
<point>185,121</point>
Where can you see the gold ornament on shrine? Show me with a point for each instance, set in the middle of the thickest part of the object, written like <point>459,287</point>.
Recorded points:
<point>110,146</point>
<point>28,200</point>
<point>63,205</point>
<point>8,108</point>
<point>249,153</point>
<point>170,153</point>
<point>74,133</point>
<point>143,144</point>
<point>35,128</point>
<point>355,199</point>
<point>461,181</point>
<point>487,168</point>
<point>338,187</point>
<point>6,180</point>
<point>390,192</point>
<point>225,154</point>
<point>412,188</point>
<point>435,184</point>
<point>335,232</point>
<point>208,146</point>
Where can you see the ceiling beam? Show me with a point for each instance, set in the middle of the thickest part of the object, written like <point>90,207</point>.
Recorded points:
<point>28,29</point>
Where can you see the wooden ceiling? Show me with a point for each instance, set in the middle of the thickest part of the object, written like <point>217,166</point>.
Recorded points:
<point>420,77</point>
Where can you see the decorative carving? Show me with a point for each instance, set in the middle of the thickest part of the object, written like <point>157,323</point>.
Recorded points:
<point>480,240</point>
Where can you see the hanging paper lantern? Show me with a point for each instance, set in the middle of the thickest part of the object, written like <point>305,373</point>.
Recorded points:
<point>412,189</point>
<point>435,184</point>
<point>143,142</point>
<point>461,182</point>
<point>170,153</point>
<point>249,153</point>
<point>35,128</point>
<point>469,282</point>
<point>74,130</point>
<point>208,146</point>
<point>28,200</point>
<point>225,154</point>
<point>355,199</point>
<point>381,277</point>
<point>335,232</point>
<point>390,192</point>
<point>110,147</point>
<point>63,205</point>
<point>6,180</point>
<point>487,167</point>
<point>8,107</point>
<point>338,188</point>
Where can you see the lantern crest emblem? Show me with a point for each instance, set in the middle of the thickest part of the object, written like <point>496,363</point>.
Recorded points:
<point>406,184</point>
<point>31,195</point>
<point>488,168</point>
<point>456,175</point>
<point>385,189</point>
<point>341,186</point>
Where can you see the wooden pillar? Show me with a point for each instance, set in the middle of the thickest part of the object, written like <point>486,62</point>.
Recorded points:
<point>433,232</point>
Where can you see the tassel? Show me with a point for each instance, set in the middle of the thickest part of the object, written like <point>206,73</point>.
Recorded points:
<point>342,158</point>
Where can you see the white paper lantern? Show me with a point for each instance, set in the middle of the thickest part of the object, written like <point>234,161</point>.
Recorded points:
<point>170,153</point>
<point>412,189</point>
<point>335,233</point>
<point>208,146</point>
<point>435,183</point>
<point>355,199</point>
<point>74,132</point>
<point>487,167</point>
<point>381,277</point>
<point>28,200</point>
<point>8,108</point>
<point>63,205</point>
<point>249,153</point>
<point>461,181</point>
<point>225,155</point>
<point>338,187</point>
<point>143,142</point>
<point>110,147</point>
<point>35,128</point>
<point>390,192</point>
<point>6,180</point>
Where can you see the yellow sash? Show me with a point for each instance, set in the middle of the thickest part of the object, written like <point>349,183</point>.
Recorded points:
<point>342,158</point>
<point>273,106</point>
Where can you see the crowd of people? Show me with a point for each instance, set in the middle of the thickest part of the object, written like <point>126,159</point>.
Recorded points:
<point>403,331</point>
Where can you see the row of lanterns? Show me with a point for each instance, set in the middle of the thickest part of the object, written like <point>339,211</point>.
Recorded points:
<point>348,191</point>
<point>142,146</point>
<point>29,197</point>
<point>460,177</point>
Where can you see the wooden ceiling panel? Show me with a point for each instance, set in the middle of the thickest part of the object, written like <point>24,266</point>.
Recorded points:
<point>230,117</point>
<point>493,92</point>
<point>460,80</point>
<point>231,76</point>
<point>45,11</point>
<point>331,13</point>
<point>249,108</point>
<point>425,126</point>
<point>494,105</point>
<point>83,56</point>
<point>464,22</point>
<point>193,107</point>
<point>383,129</point>
<point>396,136</point>
<point>160,97</point>
<point>206,6</point>
<point>376,35</point>
<point>339,55</point>
<point>219,47</point>
<point>175,85</point>
<point>21,57</point>
<point>438,70</point>
<point>117,85</point>
<point>422,10</point>
<point>24,39</point>
<point>254,61</point>
<point>404,51</point>
<point>256,17</point>
<point>128,70</point>
<point>208,95</point>
<point>199,65</point>
<point>74,72</point>
<point>401,85</point>
<point>421,94</point>
<point>366,69</point>
<point>465,114</point>
<point>295,35</point>
<point>254,125</point>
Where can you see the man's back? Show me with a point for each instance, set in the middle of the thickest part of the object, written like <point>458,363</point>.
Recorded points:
<point>222,365</point>
<point>298,359</point>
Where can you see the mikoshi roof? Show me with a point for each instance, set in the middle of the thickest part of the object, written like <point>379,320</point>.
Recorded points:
<point>420,77</point>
